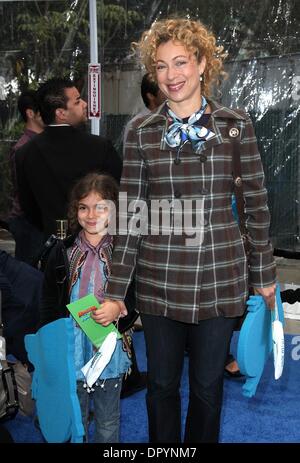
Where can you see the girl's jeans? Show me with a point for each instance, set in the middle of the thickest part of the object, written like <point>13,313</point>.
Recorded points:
<point>106,401</point>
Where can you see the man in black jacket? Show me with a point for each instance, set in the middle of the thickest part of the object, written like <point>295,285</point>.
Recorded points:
<point>28,238</point>
<point>49,165</point>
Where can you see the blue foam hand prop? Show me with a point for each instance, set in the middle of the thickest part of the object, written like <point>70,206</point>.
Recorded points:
<point>255,341</point>
<point>51,351</point>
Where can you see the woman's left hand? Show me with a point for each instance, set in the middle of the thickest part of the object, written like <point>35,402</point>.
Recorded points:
<point>108,312</point>
<point>268,294</point>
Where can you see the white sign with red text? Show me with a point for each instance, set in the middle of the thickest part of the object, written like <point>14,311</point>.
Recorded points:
<point>94,107</point>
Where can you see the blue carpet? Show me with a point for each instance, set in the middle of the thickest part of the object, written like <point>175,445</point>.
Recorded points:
<point>272,416</point>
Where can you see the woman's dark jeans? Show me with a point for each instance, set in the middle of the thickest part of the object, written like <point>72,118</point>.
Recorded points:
<point>208,344</point>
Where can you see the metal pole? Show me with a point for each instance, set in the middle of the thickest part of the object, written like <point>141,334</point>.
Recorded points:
<point>95,126</point>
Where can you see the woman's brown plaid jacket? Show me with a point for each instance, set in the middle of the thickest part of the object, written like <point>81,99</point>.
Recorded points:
<point>191,280</point>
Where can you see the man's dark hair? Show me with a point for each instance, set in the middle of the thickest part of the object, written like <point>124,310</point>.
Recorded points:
<point>28,100</point>
<point>148,86</point>
<point>51,96</point>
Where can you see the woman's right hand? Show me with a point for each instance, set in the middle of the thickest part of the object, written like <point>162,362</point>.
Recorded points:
<point>269,295</point>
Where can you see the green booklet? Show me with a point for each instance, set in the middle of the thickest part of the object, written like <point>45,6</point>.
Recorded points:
<point>81,310</point>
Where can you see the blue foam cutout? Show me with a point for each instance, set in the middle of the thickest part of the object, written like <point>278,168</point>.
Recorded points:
<point>51,351</point>
<point>255,341</point>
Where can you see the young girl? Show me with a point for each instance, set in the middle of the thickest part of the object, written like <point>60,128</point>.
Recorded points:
<point>77,266</point>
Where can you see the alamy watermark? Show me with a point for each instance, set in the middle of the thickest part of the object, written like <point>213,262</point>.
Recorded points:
<point>158,217</point>
<point>296,350</point>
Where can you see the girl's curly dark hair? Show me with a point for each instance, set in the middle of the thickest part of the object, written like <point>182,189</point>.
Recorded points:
<point>105,185</point>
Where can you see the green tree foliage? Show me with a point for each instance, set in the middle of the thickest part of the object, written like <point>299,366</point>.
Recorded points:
<point>52,37</point>
<point>44,38</point>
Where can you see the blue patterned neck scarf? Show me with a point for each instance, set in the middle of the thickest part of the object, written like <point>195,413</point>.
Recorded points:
<point>179,132</point>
